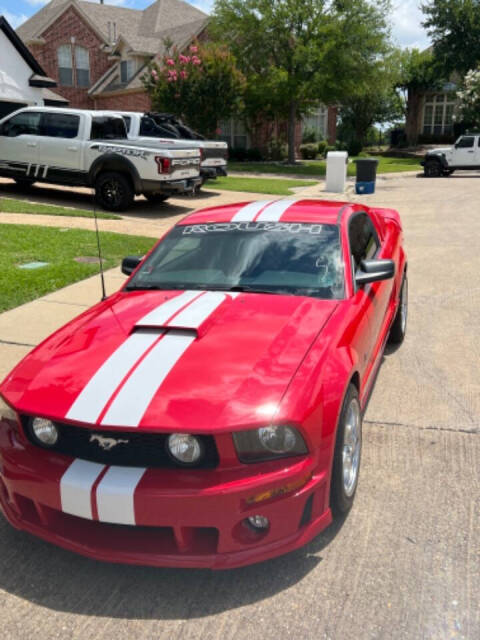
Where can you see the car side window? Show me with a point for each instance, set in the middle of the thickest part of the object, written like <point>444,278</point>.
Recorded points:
<point>465,143</point>
<point>363,238</point>
<point>26,123</point>
<point>60,125</point>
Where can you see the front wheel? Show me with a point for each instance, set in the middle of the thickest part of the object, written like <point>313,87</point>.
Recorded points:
<point>113,191</point>
<point>432,169</point>
<point>348,449</point>
<point>156,197</point>
<point>399,326</point>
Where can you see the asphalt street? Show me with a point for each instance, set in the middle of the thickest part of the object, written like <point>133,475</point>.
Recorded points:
<point>404,564</point>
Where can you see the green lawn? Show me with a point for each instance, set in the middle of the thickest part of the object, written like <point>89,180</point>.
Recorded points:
<point>12,205</point>
<point>20,244</point>
<point>312,168</point>
<point>258,185</point>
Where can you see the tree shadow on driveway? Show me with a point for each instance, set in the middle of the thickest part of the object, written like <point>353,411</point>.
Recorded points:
<point>62,581</point>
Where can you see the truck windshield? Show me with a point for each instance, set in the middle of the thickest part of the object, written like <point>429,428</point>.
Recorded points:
<point>266,257</point>
<point>108,128</point>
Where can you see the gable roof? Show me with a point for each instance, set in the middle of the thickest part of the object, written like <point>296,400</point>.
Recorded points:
<point>143,30</point>
<point>38,78</point>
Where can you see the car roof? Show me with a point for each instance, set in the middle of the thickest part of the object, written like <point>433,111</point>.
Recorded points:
<point>320,211</point>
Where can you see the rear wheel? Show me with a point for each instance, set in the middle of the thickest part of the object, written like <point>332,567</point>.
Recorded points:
<point>113,191</point>
<point>348,449</point>
<point>399,326</point>
<point>156,197</point>
<point>432,169</point>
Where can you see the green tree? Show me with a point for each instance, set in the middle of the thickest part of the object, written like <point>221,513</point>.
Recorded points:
<point>417,72</point>
<point>300,52</point>
<point>454,27</point>
<point>375,101</point>
<point>201,86</point>
<point>468,109</point>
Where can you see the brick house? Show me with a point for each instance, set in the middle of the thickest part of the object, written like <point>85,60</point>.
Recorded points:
<point>98,53</point>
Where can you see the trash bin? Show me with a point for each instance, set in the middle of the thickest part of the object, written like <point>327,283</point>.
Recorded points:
<point>366,175</point>
<point>337,162</point>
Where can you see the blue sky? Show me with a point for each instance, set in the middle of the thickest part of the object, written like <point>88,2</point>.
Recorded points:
<point>406,18</point>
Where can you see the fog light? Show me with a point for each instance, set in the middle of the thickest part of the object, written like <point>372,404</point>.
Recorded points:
<point>45,431</point>
<point>259,523</point>
<point>184,448</point>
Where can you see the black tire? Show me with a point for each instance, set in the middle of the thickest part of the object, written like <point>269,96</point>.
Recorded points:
<point>24,183</point>
<point>399,326</point>
<point>448,172</point>
<point>113,191</point>
<point>432,169</point>
<point>342,493</point>
<point>156,197</point>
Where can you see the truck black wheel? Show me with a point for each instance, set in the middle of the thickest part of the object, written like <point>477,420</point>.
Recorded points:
<point>432,169</point>
<point>156,197</point>
<point>25,183</point>
<point>113,191</point>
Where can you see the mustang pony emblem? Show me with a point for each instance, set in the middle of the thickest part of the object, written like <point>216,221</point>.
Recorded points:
<point>106,443</point>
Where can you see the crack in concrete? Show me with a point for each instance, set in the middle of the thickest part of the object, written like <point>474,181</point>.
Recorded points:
<point>17,344</point>
<point>384,423</point>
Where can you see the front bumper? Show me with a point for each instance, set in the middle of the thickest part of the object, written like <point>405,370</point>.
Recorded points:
<point>182,518</point>
<point>211,173</point>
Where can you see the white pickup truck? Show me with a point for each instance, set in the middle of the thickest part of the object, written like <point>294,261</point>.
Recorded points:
<point>166,130</point>
<point>89,148</point>
<point>465,154</point>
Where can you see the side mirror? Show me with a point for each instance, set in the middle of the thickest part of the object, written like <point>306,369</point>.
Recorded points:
<point>130,263</point>
<point>374,270</point>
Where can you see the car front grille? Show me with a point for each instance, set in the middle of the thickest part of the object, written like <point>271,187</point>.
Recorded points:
<point>132,448</point>
<point>214,153</point>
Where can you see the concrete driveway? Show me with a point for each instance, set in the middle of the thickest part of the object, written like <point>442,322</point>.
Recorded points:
<point>404,564</point>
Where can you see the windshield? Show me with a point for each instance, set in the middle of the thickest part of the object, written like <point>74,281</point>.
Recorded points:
<point>267,257</point>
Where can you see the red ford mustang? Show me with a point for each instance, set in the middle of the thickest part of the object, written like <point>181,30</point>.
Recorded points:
<point>209,414</point>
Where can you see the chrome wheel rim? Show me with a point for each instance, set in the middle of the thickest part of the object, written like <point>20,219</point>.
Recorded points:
<point>352,443</point>
<point>404,306</point>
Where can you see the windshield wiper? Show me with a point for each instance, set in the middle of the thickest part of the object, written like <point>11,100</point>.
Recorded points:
<point>246,288</point>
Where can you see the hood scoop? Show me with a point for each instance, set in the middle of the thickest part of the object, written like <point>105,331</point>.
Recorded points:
<point>191,310</point>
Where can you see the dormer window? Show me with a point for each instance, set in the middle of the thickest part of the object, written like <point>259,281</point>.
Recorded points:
<point>127,70</point>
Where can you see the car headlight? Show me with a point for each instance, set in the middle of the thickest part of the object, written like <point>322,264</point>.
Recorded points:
<point>44,432</point>
<point>6,411</point>
<point>185,448</point>
<point>268,443</point>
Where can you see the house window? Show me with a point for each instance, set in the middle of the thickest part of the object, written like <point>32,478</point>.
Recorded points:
<point>234,133</point>
<point>127,70</point>
<point>438,113</point>
<point>65,70</point>
<point>317,121</point>
<point>82,64</point>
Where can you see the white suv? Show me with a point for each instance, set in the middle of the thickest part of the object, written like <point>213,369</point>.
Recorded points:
<point>465,154</point>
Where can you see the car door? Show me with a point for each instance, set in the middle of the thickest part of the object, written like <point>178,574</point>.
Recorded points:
<point>60,147</point>
<point>362,338</point>
<point>19,136</point>
<point>465,153</point>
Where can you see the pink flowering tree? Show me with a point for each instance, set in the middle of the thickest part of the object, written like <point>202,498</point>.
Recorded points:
<point>201,85</point>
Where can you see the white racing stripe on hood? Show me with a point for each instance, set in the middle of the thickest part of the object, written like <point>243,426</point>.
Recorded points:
<point>196,313</point>
<point>100,388</point>
<point>136,394</point>
<point>249,211</point>
<point>162,313</point>
<point>76,487</point>
<point>115,495</point>
<point>275,211</point>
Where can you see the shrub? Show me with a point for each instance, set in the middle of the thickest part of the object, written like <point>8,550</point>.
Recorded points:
<point>334,147</point>
<point>321,146</point>
<point>238,153</point>
<point>308,135</point>
<point>254,155</point>
<point>308,151</point>
<point>277,149</point>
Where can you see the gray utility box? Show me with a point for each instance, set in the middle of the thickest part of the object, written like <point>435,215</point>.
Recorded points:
<point>337,162</point>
